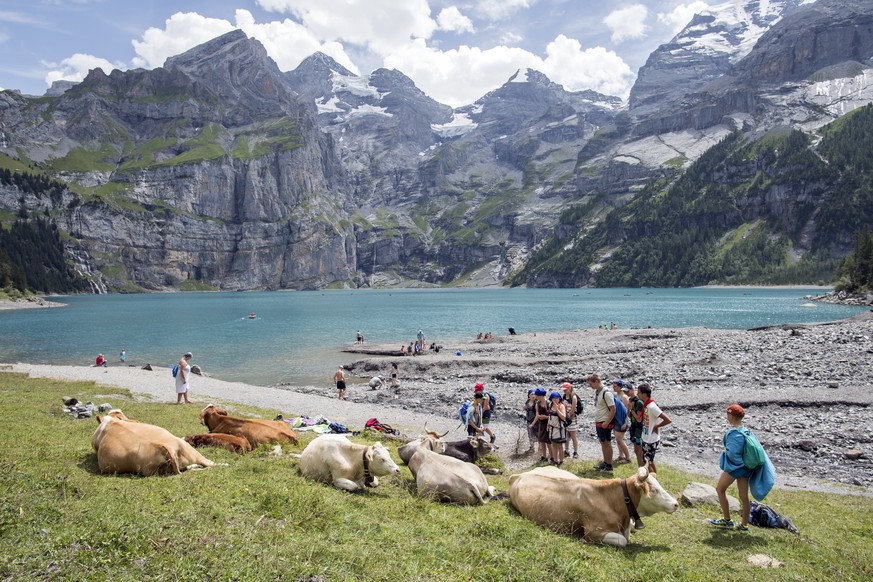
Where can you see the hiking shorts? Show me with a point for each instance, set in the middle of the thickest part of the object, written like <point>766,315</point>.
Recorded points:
<point>486,416</point>
<point>649,450</point>
<point>341,385</point>
<point>604,434</point>
<point>636,434</point>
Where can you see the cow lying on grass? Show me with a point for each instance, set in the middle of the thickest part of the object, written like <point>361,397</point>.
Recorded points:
<point>231,442</point>
<point>444,478</point>
<point>254,430</point>
<point>128,446</point>
<point>595,510</point>
<point>335,460</point>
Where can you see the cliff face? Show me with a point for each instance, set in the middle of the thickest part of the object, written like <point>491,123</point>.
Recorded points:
<point>220,171</point>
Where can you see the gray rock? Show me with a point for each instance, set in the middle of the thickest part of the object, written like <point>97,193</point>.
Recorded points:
<point>807,445</point>
<point>147,367</point>
<point>854,454</point>
<point>833,384</point>
<point>696,494</point>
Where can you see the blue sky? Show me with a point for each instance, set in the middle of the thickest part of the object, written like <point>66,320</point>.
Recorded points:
<point>454,50</point>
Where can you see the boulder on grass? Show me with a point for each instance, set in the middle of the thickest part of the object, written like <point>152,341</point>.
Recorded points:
<point>696,494</point>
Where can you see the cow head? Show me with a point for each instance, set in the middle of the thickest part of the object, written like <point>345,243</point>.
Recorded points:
<point>380,461</point>
<point>210,410</point>
<point>114,413</point>
<point>482,446</point>
<point>653,498</point>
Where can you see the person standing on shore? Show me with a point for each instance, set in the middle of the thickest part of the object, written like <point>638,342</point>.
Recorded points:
<point>183,376</point>
<point>733,469</point>
<point>394,382</point>
<point>340,378</point>
<point>557,427</point>
<point>572,400</point>
<point>623,452</point>
<point>635,412</point>
<point>604,412</point>
<point>653,421</point>
<point>122,355</point>
<point>474,416</point>
<point>360,338</point>
<point>541,422</point>
<point>486,410</point>
<point>530,412</point>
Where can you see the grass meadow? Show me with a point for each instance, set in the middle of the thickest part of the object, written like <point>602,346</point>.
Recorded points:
<point>257,519</point>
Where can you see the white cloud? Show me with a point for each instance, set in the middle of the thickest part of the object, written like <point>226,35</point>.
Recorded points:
<point>451,19</point>
<point>76,67</point>
<point>682,14</point>
<point>460,76</point>
<point>627,23</point>
<point>182,31</point>
<point>380,25</point>
<point>595,68</point>
<point>500,9</point>
<point>288,42</point>
<point>509,37</point>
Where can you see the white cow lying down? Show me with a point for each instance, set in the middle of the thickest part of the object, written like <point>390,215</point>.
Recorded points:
<point>442,477</point>
<point>594,509</point>
<point>333,459</point>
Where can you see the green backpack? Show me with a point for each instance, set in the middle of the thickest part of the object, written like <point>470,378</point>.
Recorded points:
<point>753,453</point>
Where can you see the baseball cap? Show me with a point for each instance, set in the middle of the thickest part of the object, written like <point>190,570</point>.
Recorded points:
<point>566,385</point>
<point>479,386</point>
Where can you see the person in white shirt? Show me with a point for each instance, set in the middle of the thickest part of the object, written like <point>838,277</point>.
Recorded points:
<point>604,414</point>
<point>654,420</point>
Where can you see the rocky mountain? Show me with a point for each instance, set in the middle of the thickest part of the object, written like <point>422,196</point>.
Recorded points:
<point>703,51</point>
<point>219,171</point>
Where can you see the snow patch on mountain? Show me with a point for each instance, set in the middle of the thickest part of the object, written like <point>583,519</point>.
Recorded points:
<point>460,124</point>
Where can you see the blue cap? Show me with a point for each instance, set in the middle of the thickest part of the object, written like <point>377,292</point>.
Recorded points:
<point>554,395</point>
<point>540,391</point>
<point>530,391</point>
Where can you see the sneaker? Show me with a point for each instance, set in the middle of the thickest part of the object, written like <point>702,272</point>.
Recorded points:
<point>741,527</point>
<point>566,453</point>
<point>622,461</point>
<point>493,438</point>
<point>605,468</point>
<point>722,522</point>
<point>575,455</point>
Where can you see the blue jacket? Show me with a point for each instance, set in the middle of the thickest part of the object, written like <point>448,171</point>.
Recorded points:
<point>731,461</point>
<point>761,480</point>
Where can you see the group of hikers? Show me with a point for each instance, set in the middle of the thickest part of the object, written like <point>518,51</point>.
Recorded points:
<point>552,424</point>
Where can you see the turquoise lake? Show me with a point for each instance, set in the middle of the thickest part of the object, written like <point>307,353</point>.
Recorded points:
<point>297,335</point>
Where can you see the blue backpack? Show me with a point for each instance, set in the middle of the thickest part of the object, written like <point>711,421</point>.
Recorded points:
<point>620,418</point>
<point>462,412</point>
<point>175,370</point>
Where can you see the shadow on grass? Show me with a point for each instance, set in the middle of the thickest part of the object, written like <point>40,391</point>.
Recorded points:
<point>88,463</point>
<point>728,538</point>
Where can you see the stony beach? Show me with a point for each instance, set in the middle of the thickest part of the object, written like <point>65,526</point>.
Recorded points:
<point>806,389</point>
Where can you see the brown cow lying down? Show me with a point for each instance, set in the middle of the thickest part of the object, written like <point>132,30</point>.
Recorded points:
<point>254,430</point>
<point>233,443</point>
<point>128,446</point>
<point>596,510</point>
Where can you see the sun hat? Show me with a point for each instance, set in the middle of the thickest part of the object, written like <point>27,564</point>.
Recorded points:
<point>540,391</point>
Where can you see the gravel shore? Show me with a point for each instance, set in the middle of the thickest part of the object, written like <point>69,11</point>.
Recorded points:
<point>806,389</point>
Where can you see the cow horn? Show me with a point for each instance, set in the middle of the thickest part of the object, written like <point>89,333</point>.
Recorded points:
<point>643,473</point>
<point>440,436</point>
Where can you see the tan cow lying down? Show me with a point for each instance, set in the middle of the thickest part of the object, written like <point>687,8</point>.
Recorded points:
<point>596,510</point>
<point>333,459</point>
<point>128,446</point>
<point>442,477</point>
<point>231,442</point>
<point>254,430</point>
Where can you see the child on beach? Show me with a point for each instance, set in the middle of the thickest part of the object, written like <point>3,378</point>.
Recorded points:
<point>572,400</point>
<point>635,411</point>
<point>530,412</point>
<point>623,452</point>
<point>653,421</point>
<point>541,422</point>
<point>733,469</point>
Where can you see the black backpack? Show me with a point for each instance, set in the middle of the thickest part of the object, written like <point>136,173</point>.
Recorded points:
<point>579,406</point>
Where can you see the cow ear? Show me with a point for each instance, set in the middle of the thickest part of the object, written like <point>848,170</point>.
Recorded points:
<point>643,473</point>
<point>474,442</point>
<point>99,419</point>
<point>369,453</point>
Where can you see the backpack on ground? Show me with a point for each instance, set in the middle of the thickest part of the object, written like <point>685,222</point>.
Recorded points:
<point>175,370</point>
<point>374,424</point>
<point>462,412</point>
<point>753,453</point>
<point>338,428</point>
